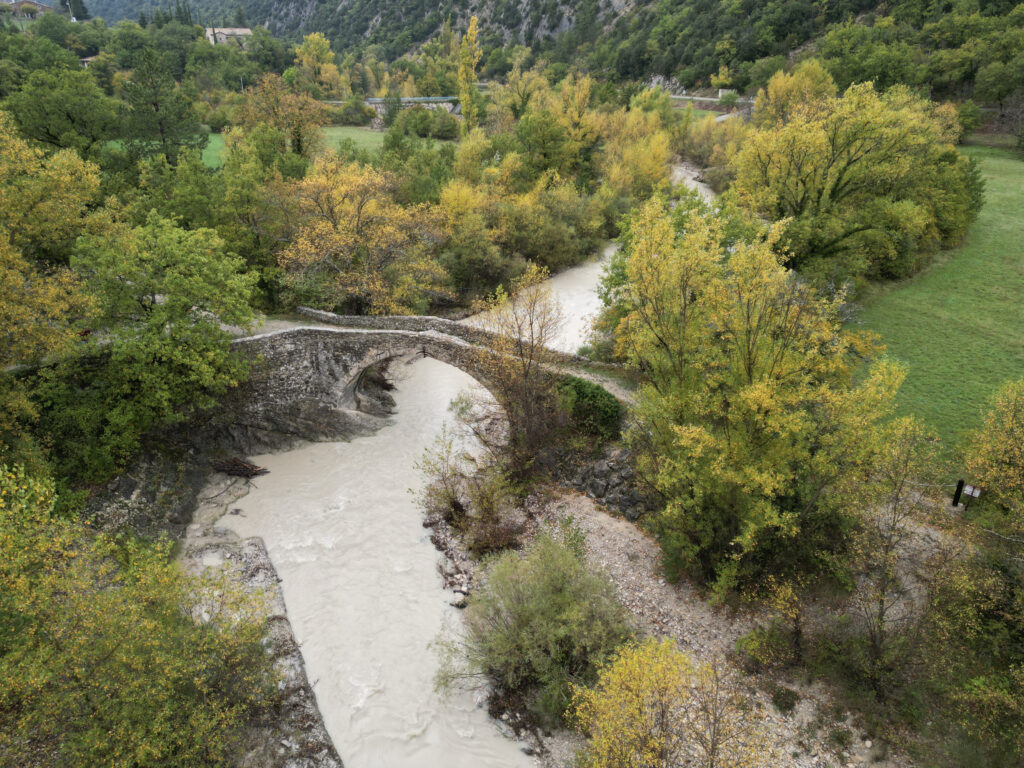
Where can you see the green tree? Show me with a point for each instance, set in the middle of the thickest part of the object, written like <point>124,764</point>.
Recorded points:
<point>65,109</point>
<point>162,352</point>
<point>104,657</point>
<point>159,119</point>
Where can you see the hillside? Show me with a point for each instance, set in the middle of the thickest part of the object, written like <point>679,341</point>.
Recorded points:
<point>738,43</point>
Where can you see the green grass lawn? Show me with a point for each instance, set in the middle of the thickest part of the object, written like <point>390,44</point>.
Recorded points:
<point>959,325</point>
<point>697,113</point>
<point>213,153</point>
<point>364,138</point>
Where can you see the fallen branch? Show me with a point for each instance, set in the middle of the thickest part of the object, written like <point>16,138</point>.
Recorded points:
<point>237,467</point>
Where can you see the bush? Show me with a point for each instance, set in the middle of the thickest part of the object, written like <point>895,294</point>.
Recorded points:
<point>593,410</point>
<point>767,647</point>
<point>783,698</point>
<point>352,112</point>
<point>541,622</point>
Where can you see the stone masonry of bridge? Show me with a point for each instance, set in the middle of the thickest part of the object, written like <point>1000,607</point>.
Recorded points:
<point>315,380</point>
<point>310,381</point>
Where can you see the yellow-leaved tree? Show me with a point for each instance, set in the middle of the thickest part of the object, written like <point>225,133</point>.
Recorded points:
<point>297,116</point>
<point>995,457</point>
<point>316,62</point>
<point>355,248</point>
<point>45,200</point>
<point>652,708</point>
<point>748,422</point>
<point>44,205</point>
<point>469,57</point>
<point>869,181</point>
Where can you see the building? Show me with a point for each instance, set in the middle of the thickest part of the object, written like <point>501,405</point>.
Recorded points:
<point>26,7</point>
<point>221,35</point>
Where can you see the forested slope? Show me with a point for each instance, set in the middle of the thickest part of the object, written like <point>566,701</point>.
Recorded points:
<point>939,44</point>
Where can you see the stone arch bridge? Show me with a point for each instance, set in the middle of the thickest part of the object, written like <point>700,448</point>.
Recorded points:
<point>380,105</point>
<point>315,380</point>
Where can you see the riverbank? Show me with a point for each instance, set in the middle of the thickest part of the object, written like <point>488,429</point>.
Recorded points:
<point>805,737</point>
<point>295,734</point>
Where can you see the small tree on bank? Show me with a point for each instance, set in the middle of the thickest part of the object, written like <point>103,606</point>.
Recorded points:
<point>652,708</point>
<point>517,368</point>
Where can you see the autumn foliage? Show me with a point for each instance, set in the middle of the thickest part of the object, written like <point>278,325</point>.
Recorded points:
<point>357,249</point>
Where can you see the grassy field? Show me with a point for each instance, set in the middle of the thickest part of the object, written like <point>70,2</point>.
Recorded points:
<point>959,325</point>
<point>697,113</point>
<point>364,138</point>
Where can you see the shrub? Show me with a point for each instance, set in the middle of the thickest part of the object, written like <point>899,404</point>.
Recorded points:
<point>593,410</point>
<point>477,500</point>
<point>783,698</point>
<point>767,647</point>
<point>541,622</point>
<point>352,112</point>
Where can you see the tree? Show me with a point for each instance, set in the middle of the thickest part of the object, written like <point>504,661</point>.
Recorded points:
<point>65,109</point>
<point>995,457</point>
<point>518,90</point>
<point>469,57</point>
<point>994,82</point>
<point>104,658</point>
<point>747,421</point>
<point>786,93</point>
<point>297,116</point>
<point>868,181</point>
<point>523,322</point>
<point>45,200</point>
<point>355,247</point>
<point>470,255</point>
<point>78,10</point>
<point>896,506</point>
<point>163,354</point>
<point>37,314</point>
<point>316,61</point>
<point>652,708</point>
<point>160,119</point>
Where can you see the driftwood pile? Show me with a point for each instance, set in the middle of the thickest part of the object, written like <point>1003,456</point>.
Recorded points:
<point>237,467</point>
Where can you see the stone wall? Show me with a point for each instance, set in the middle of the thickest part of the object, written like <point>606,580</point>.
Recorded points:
<point>609,479</point>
